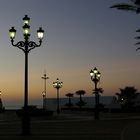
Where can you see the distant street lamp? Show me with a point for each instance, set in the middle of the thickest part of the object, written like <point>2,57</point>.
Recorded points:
<point>26,46</point>
<point>57,85</point>
<point>95,77</point>
<point>44,93</point>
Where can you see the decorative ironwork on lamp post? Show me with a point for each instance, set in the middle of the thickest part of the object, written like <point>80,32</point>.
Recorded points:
<point>44,93</point>
<point>95,77</point>
<point>26,46</point>
<point>58,85</point>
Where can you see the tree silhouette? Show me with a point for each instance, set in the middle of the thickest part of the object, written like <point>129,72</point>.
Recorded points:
<point>134,6</point>
<point>126,97</point>
<point>81,102</point>
<point>69,95</point>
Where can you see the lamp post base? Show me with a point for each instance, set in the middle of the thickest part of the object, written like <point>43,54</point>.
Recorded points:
<point>96,115</point>
<point>26,124</point>
<point>58,111</point>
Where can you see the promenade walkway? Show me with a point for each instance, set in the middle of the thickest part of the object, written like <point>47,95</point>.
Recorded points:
<point>68,126</point>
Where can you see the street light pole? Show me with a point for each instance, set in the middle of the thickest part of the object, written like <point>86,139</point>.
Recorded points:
<point>44,93</point>
<point>57,85</point>
<point>58,106</point>
<point>26,46</point>
<point>95,77</point>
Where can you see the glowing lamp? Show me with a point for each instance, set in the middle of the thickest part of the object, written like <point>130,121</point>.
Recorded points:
<point>26,29</point>
<point>40,33</point>
<point>91,73</point>
<point>95,70</point>
<point>26,20</point>
<point>12,33</point>
<point>98,74</point>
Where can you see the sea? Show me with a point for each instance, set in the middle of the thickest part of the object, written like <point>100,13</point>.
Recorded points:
<point>51,103</point>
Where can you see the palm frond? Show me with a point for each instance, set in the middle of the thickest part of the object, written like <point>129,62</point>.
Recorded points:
<point>126,7</point>
<point>137,48</point>
<point>138,30</point>
<point>118,94</point>
<point>137,37</point>
<point>138,43</point>
<point>137,2</point>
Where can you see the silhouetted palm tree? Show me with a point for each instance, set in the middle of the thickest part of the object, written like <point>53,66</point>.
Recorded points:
<point>69,95</point>
<point>81,102</point>
<point>126,96</point>
<point>134,6</point>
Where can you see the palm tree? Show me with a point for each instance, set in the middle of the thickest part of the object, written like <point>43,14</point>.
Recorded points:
<point>126,97</point>
<point>134,6</point>
<point>69,95</point>
<point>81,102</point>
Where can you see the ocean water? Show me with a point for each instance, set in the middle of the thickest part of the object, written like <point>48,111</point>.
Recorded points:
<point>51,103</point>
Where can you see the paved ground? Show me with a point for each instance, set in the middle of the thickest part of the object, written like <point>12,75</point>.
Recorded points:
<point>72,127</point>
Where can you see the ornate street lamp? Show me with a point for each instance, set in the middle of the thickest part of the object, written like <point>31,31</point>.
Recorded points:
<point>44,93</point>
<point>26,46</point>
<point>95,77</point>
<point>57,85</point>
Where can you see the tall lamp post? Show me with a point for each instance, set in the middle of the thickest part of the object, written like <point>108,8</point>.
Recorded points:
<point>44,93</point>
<point>57,84</point>
<point>95,77</point>
<point>26,46</point>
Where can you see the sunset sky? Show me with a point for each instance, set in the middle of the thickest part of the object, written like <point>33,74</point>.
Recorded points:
<point>79,35</point>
